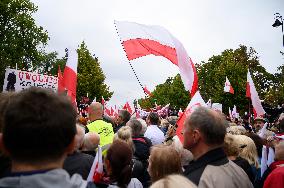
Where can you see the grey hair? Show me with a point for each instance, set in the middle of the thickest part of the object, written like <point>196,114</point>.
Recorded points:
<point>144,126</point>
<point>89,145</point>
<point>136,127</point>
<point>211,125</point>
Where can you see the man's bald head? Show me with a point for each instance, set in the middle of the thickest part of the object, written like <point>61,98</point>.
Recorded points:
<point>91,141</point>
<point>96,111</point>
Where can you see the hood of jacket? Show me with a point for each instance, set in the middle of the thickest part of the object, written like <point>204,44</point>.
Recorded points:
<point>54,178</point>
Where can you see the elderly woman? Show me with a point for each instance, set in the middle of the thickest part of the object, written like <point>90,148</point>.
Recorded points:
<point>164,160</point>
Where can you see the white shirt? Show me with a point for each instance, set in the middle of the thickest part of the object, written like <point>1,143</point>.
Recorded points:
<point>154,134</point>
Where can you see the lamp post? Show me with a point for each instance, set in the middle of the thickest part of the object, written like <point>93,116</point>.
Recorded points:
<point>278,22</point>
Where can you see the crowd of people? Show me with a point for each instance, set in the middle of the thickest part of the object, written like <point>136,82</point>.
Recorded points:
<point>45,143</point>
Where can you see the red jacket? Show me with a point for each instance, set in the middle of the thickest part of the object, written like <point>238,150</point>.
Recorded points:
<point>275,179</point>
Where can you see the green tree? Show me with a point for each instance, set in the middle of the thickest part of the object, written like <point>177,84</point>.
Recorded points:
<point>90,77</point>
<point>275,95</point>
<point>172,91</point>
<point>234,64</point>
<point>22,41</point>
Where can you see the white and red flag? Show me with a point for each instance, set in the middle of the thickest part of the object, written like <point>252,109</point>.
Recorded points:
<point>252,94</point>
<point>195,102</point>
<point>147,91</point>
<point>228,88</point>
<point>70,74</point>
<point>96,171</point>
<point>103,102</point>
<point>141,40</point>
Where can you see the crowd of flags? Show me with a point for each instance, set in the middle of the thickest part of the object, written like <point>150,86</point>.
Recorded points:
<point>140,40</point>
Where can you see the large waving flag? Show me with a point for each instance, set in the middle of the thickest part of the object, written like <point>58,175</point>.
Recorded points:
<point>195,102</point>
<point>252,94</point>
<point>96,171</point>
<point>70,74</point>
<point>228,88</point>
<point>141,40</point>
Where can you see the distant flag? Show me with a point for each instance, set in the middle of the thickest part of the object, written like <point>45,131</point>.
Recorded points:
<point>141,40</point>
<point>96,171</point>
<point>103,101</point>
<point>195,102</point>
<point>234,112</point>
<point>70,74</point>
<point>61,87</point>
<point>253,95</point>
<point>230,113</point>
<point>209,103</point>
<point>180,112</point>
<point>147,91</point>
<point>95,100</point>
<point>111,111</point>
<point>228,88</point>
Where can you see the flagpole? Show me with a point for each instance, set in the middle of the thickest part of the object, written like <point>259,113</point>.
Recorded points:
<point>129,61</point>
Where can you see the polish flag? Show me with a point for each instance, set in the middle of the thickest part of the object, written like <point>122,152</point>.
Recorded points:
<point>61,87</point>
<point>141,40</point>
<point>195,102</point>
<point>234,112</point>
<point>228,88</point>
<point>103,101</point>
<point>147,91</point>
<point>70,74</point>
<point>252,94</point>
<point>96,171</point>
<point>180,112</point>
<point>230,113</point>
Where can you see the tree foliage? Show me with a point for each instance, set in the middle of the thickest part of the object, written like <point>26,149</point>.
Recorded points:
<point>90,77</point>
<point>21,39</point>
<point>234,64</point>
<point>212,75</point>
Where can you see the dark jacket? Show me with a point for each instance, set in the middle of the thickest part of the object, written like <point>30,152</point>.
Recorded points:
<point>79,163</point>
<point>213,169</point>
<point>244,164</point>
<point>140,160</point>
<point>142,147</point>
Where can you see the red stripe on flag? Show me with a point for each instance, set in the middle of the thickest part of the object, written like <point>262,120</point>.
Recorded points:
<point>136,48</point>
<point>248,90</point>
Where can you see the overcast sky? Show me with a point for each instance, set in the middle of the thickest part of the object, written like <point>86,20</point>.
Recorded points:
<point>205,28</point>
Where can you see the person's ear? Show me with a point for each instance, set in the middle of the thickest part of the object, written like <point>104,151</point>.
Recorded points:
<point>196,135</point>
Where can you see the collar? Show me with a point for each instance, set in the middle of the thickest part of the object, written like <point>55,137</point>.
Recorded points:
<point>211,157</point>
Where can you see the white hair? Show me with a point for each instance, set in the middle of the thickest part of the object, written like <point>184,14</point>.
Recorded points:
<point>144,125</point>
<point>91,141</point>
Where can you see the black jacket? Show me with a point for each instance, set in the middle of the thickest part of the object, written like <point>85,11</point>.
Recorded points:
<point>244,164</point>
<point>79,163</point>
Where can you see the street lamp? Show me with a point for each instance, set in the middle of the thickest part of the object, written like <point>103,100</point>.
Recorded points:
<point>278,22</point>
